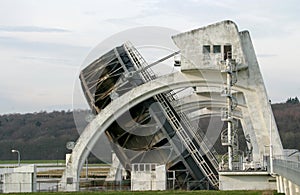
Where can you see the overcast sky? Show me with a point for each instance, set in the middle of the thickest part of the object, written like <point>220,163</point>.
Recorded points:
<point>44,43</point>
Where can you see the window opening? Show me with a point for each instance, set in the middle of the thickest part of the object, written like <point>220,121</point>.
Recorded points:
<point>227,52</point>
<point>217,48</point>
<point>206,49</point>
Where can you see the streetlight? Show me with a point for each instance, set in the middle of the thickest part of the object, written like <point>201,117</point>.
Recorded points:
<point>19,156</point>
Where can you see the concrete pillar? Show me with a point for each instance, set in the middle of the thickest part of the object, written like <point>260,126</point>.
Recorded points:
<point>279,183</point>
<point>286,186</point>
<point>297,189</point>
<point>71,184</point>
<point>291,188</point>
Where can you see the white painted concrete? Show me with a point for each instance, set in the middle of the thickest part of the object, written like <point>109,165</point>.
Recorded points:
<point>246,181</point>
<point>286,186</point>
<point>150,177</point>
<point>258,111</point>
<point>116,171</point>
<point>279,183</point>
<point>22,179</point>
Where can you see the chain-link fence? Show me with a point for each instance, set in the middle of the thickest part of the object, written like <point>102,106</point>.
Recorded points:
<point>100,185</point>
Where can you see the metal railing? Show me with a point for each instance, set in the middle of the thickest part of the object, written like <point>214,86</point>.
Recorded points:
<point>288,164</point>
<point>175,122</point>
<point>288,169</point>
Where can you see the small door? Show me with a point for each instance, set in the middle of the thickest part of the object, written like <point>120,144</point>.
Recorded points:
<point>227,52</point>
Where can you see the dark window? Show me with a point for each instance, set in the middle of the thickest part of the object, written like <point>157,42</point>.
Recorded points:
<point>227,52</point>
<point>217,48</point>
<point>206,49</point>
<point>142,167</point>
<point>153,167</point>
<point>147,167</point>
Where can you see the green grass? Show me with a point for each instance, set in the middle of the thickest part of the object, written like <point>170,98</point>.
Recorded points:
<point>204,192</point>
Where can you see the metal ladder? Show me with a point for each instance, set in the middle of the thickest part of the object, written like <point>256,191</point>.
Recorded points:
<point>206,146</point>
<point>190,146</point>
<point>148,75</point>
<point>202,140</point>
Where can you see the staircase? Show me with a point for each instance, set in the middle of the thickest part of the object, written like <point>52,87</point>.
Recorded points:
<point>229,136</point>
<point>181,124</point>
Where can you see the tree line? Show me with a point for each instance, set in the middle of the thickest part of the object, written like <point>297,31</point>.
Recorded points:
<point>44,135</point>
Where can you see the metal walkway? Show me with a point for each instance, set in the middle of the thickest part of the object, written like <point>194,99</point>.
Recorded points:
<point>287,169</point>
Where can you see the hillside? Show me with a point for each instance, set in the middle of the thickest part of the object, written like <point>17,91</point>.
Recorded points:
<point>44,135</point>
<point>287,117</point>
<point>37,136</point>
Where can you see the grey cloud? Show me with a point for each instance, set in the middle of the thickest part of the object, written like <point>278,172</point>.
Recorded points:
<point>31,29</point>
<point>42,47</point>
<point>262,20</point>
<point>68,62</point>
<point>129,21</point>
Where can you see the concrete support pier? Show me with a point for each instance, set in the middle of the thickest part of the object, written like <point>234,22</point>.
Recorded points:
<point>261,180</point>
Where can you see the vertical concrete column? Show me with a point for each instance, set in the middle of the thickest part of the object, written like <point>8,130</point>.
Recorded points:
<point>282,184</point>
<point>291,188</point>
<point>73,187</point>
<point>297,189</point>
<point>279,182</point>
<point>286,186</point>
<point>71,181</point>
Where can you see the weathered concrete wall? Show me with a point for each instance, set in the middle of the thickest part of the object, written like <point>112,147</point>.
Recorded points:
<point>286,186</point>
<point>116,171</point>
<point>22,179</point>
<point>147,178</point>
<point>191,45</point>
<point>257,114</point>
<point>247,181</point>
